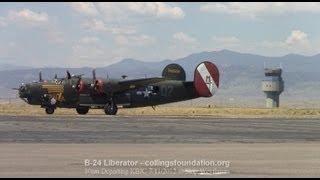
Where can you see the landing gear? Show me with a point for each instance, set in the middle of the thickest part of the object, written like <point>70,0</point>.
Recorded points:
<point>49,110</point>
<point>49,104</point>
<point>82,109</point>
<point>111,108</point>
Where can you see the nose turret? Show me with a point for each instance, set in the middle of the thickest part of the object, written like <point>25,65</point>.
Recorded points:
<point>29,92</point>
<point>23,91</point>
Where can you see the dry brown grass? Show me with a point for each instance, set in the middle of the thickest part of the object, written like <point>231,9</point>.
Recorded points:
<point>25,109</point>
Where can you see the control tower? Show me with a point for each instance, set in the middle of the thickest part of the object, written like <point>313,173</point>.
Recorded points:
<point>273,86</point>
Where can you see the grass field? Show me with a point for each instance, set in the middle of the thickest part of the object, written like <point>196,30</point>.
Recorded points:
<point>24,109</point>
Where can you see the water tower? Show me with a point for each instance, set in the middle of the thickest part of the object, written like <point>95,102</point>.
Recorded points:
<point>272,86</point>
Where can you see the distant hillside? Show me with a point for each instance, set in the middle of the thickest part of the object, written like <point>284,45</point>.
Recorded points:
<point>6,66</point>
<point>241,74</point>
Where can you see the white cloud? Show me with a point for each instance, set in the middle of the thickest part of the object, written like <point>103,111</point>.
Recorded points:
<point>89,39</point>
<point>114,11</point>
<point>297,37</point>
<point>225,41</point>
<point>99,25</point>
<point>229,42</point>
<point>124,10</point>
<point>273,45</point>
<point>86,8</point>
<point>182,44</point>
<point>158,9</point>
<point>254,9</point>
<point>28,17</point>
<point>12,44</point>
<point>184,38</point>
<point>95,55</point>
<point>3,22</point>
<point>135,40</point>
<point>296,42</point>
<point>55,36</point>
<point>122,18</point>
<point>83,51</point>
<point>96,25</point>
<point>88,55</point>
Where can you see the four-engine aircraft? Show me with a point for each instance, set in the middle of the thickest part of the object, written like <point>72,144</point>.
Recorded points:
<point>75,91</point>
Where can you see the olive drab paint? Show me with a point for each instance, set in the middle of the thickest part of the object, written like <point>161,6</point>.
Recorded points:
<point>75,91</point>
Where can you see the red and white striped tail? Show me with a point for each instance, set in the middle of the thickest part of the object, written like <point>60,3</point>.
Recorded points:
<point>206,79</point>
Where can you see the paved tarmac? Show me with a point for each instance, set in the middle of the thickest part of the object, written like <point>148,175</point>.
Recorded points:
<point>62,146</point>
<point>160,160</point>
<point>150,129</point>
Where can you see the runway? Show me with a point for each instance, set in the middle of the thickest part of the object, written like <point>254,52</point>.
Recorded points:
<point>59,146</point>
<point>149,129</point>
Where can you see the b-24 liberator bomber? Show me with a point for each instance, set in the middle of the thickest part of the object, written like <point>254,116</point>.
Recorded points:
<point>75,91</point>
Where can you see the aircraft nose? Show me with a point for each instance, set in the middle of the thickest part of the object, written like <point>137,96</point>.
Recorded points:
<point>23,91</point>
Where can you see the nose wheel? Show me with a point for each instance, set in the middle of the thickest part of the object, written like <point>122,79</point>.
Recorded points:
<point>49,110</point>
<point>49,104</point>
<point>111,108</point>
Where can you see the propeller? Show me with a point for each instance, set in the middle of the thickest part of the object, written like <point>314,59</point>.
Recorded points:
<point>55,76</point>
<point>97,84</point>
<point>124,76</point>
<point>80,86</point>
<point>21,89</point>
<point>40,77</point>
<point>94,75</point>
<point>68,75</point>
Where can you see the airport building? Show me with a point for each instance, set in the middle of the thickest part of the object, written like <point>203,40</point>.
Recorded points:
<point>272,86</point>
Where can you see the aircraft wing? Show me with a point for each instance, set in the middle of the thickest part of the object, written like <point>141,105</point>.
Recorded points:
<point>137,83</point>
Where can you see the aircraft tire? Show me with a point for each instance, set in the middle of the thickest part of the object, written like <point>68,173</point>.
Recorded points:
<point>82,109</point>
<point>49,110</point>
<point>111,109</point>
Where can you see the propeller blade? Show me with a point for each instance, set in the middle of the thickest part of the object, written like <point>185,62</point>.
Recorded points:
<point>15,89</point>
<point>56,76</point>
<point>40,77</point>
<point>68,75</point>
<point>124,76</point>
<point>94,75</point>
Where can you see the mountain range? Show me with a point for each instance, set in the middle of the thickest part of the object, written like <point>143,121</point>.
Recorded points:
<point>240,82</point>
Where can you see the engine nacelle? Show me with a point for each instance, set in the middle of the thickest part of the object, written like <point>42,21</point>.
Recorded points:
<point>81,87</point>
<point>99,86</point>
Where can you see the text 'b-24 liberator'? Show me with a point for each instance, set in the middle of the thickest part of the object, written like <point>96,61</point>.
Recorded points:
<point>75,91</point>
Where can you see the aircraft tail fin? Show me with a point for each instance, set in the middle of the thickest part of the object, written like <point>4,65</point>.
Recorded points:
<point>174,72</point>
<point>206,79</point>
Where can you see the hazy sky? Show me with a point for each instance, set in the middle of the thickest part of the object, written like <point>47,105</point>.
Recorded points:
<point>99,34</point>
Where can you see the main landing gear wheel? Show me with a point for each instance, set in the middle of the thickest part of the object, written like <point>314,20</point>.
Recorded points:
<point>49,110</point>
<point>82,109</point>
<point>111,109</point>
